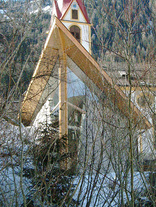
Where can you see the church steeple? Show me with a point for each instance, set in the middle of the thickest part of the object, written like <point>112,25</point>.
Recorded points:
<point>74,16</point>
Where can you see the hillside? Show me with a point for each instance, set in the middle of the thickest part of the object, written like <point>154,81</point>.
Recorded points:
<point>23,32</point>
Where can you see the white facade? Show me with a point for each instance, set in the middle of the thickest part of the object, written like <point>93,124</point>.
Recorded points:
<point>84,33</point>
<point>85,28</point>
<point>145,101</point>
<point>43,116</point>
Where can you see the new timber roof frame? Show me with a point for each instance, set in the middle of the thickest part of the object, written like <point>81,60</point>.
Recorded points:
<point>77,53</point>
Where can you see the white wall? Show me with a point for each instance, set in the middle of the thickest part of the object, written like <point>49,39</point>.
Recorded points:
<point>84,33</point>
<point>68,16</point>
<point>43,116</point>
<point>82,24</point>
<point>148,150</point>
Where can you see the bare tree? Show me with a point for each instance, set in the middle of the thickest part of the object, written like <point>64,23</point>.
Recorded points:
<point>105,147</point>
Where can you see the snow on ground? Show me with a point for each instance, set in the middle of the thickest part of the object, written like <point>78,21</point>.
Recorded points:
<point>90,189</point>
<point>11,188</point>
<point>105,190</point>
<point>11,181</point>
<point>46,9</point>
<point>2,11</point>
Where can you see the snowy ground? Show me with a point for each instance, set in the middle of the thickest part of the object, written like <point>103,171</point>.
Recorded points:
<point>90,189</point>
<point>107,191</point>
<point>46,9</point>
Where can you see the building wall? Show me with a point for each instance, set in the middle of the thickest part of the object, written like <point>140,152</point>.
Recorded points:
<point>68,16</point>
<point>84,32</point>
<point>104,141</point>
<point>147,148</point>
<point>43,116</point>
<point>102,137</point>
<point>82,24</point>
<point>145,100</point>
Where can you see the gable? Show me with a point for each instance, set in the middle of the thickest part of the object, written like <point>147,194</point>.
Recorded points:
<point>61,9</point>
<point>85,63</point>
<point>80,16</point>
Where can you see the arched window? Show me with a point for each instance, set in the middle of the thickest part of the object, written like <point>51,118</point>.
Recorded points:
<point>75,32</point>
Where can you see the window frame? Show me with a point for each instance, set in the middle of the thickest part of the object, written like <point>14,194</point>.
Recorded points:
<point>75,14</point>
<point>76,34</point>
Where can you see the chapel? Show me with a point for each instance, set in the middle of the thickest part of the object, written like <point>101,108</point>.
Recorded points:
<point>70,91</point>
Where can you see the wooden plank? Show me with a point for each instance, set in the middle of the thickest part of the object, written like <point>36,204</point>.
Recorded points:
<point>63,106</point>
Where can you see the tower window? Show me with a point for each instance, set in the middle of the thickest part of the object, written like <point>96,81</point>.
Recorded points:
<point>74,14</point>
<point>75,31</point>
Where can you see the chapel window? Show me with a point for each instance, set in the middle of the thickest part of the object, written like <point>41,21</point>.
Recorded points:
<point>75,31</point>
<point>74,8</point>
<point>74,14</point>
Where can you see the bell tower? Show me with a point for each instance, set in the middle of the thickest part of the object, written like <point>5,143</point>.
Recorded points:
<point>74,16</point>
